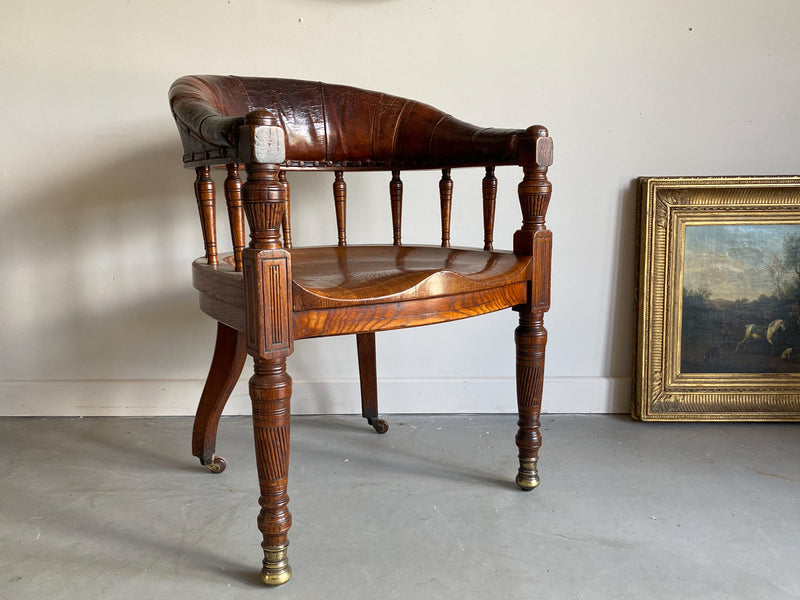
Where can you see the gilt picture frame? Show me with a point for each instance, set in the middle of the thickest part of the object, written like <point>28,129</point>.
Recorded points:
<point>718,299</point>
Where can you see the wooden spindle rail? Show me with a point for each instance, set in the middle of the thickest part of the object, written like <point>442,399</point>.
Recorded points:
<point>286,225</point>
<point>489,202</point>
<point>446,204</point>
<point>340,202</point>
<point>233,199</point>
<point>396,194</point>
<point>206,195</point>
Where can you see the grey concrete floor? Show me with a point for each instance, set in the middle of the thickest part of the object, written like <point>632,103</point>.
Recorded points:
<point>117,508</point>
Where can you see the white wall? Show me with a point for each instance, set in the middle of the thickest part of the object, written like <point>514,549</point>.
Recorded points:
<point>98,224</point>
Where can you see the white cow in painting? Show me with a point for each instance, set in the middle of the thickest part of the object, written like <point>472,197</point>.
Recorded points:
<point>787,354</point>
<point>755,332</point>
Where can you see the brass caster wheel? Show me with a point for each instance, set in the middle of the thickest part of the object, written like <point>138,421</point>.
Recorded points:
<point>528,475</point>
<point>216,465</point>
<point>379,425</point>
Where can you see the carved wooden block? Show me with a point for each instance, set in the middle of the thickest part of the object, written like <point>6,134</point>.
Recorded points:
<point>268,302</point>
<point>261,140</point>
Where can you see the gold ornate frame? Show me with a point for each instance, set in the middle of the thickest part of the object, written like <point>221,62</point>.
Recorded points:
<point>661,391</point>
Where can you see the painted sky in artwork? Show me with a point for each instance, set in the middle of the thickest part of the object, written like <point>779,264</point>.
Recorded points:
<point>731,260</point>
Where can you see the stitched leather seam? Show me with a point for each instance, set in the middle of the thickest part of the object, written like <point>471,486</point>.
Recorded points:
<point>396,131</point>
<point>244,91</point>
<point>480,131</point>
<point>374,132</point>
<point>433,131</point>
<point>324,116</point>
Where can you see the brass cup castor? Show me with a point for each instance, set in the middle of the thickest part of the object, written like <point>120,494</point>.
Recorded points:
<point>276,569</point>
<point>528,475</point>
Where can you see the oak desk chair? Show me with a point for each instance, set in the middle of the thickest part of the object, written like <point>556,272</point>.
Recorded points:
<point>268,294</point>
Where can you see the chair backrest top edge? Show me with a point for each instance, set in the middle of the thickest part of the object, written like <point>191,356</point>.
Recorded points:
<point>331,126</point>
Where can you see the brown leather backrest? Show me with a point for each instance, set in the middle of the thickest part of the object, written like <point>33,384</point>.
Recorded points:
<point>331,126</point>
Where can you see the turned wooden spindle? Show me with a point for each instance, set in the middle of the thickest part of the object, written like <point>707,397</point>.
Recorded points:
<point>535,240</point>
<point>340,202</point>
<point>267,282</point>
<point>264,205</point>
<point>446,203</point>
<point>536,150</point>
<point>266,264</point>
<point>287,214</point>
<point>206,195</point>
<point>489,188</point>
<point>270,392</point>
<point>396,194</point>
<point>530,338</point>
<point>233,198</point>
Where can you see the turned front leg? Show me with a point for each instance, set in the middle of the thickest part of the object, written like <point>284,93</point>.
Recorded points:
<point>534,240</point>
<point>267,279</point>
<point>270,393</point>
<point>530,338</point>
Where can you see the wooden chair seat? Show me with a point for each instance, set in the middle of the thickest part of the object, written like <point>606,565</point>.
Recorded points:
<point>344,276</point>
<point>338,277</point>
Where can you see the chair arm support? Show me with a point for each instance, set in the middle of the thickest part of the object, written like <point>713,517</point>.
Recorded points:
<point>208,136</point>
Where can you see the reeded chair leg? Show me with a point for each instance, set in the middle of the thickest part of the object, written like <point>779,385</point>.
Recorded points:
<point>270,392</point>
<point>530,338</point>
<point>368,375</point>
<point>230,353</point>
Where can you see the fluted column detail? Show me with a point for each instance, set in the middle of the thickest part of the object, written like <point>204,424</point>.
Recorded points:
<point>532,239</point>
<point>270,393</point>
<point>268,316</point>
<point>530,338</point>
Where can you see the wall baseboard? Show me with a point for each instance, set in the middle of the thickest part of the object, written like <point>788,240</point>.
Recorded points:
<point>140,398</point>
<point>340,396</point>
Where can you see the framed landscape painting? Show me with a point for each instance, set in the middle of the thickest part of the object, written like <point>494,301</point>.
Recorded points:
<point>718,298</point>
